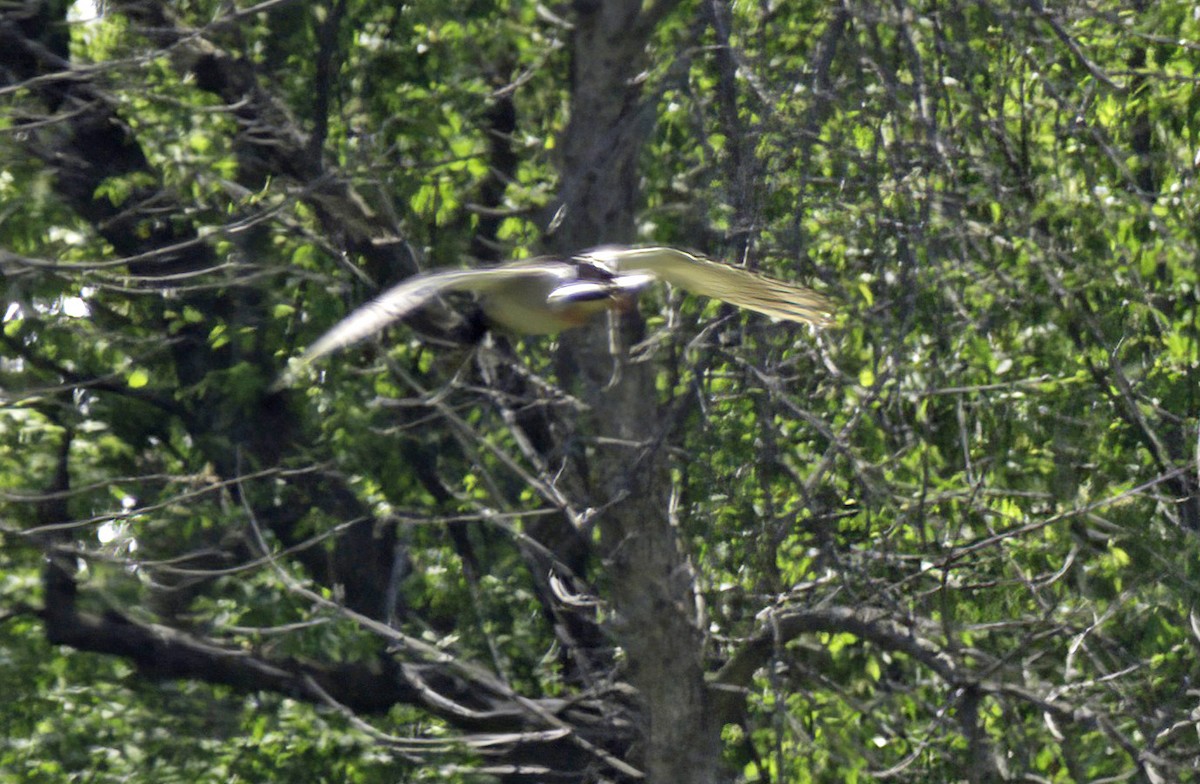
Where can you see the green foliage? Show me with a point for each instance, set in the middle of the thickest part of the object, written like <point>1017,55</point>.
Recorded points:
<point>87,715</point>
<point>996,444</point>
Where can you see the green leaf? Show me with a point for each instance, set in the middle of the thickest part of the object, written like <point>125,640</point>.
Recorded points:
<point>137,378</point>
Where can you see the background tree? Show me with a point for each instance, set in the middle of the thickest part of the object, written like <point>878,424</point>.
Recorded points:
<point>952,539</point>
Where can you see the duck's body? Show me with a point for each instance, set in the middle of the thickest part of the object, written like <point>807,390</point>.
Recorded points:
<point>546,296</point>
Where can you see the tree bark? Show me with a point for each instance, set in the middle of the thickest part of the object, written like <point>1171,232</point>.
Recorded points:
<point>622,471</point>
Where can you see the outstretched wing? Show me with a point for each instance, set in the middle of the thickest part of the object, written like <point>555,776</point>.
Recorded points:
<point>406,297</point>
<point>736,286</point>
<point>392,305</point>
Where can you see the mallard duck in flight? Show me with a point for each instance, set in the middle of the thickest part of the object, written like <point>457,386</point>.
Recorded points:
<point>543,296</point>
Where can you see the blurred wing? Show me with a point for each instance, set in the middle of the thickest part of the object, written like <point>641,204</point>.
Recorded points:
<point>736,286</point>
<point>402,299</point>
<point>392,305</point>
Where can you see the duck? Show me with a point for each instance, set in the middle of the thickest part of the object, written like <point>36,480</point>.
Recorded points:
<point>544,296</point>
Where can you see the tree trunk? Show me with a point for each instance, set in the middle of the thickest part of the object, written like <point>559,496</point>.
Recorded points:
<point>621,470</point>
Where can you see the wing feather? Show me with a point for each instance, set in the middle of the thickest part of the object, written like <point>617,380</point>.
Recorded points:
<point>403,298</point>
<point>740,287</point>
